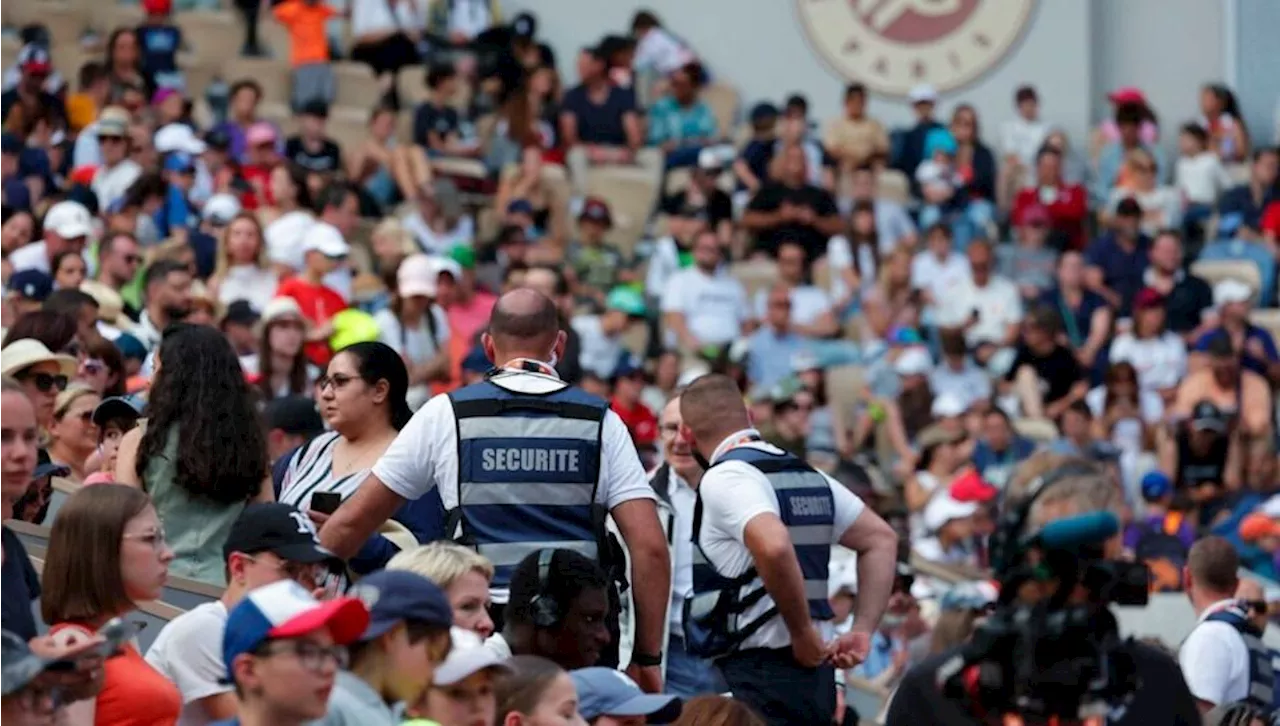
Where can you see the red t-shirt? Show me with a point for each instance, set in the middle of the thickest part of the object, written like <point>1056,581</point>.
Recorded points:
<point>1271,221</point>
<point>640,421</point>
<point>319,304</point>
<point>1067,205</point>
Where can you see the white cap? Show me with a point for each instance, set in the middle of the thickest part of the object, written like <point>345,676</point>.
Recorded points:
<point>710,158</point>
<point>178,137</point>
<point>444,264</point>
<point>943,508</point>
<point>280,307</point>
<point>923,93</point>
<point>69,220</point>
<point>326,239</point>
<point>220,209</point>
<point>417,275</point>
<point>467,657</point>
<point>913,362</point>
<point>1231,291</point>
<point>947,405</point>
<point>843,576</point>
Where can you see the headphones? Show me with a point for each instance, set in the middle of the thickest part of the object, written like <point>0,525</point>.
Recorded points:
<point>544,609</point>
<point>1005,546</point>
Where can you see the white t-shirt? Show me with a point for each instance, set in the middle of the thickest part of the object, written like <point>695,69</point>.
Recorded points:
<point>469,17</point>
<point>998,304</point>
<point>1201,178</point>
<point>417,344</point>
<point>111,183</point>
<point>439,243</point>
<point>1150,405</point>
<point>598,352</point>
<point>31,256</point>
<point>284,238</point>
<point>369,17</point>
<point>807,304</point>
<point>733,494</point>
<point>1160,362</point>
<point>660,51</point>
<point>188,651</point>
<point>664,263</point>
<point>255,284</point>
<point>840,258</point>
<point>424,456</point>
<point>714,306</point>
<point>1215,660</point>
<point>939,277</point>
<point>1023,139</point>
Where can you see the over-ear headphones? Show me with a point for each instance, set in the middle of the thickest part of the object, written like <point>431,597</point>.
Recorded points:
<point>544,608</point>
<point>1005,545</point>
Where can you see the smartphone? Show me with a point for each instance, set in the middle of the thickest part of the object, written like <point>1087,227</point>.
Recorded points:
<point>326,502</point>
<point>117,632</point>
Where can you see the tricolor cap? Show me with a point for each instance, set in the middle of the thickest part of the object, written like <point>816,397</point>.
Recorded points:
<point>286,610</point>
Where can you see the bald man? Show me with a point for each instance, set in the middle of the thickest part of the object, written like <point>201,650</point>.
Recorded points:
<point>524,462</point>
<point>763,530</point>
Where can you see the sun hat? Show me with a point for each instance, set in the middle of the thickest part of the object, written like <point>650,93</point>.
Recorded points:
<point>22,354</point>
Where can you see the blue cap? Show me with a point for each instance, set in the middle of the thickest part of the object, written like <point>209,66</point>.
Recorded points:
<point>11,143</point>
<point>31,284</point>
<point>179,161</point>
<point>118,407</point>
<point>1155,485</point>
<point>606,692</point>
<point>762,111</point>
<point>476,361</point>
<point>939,139</point>
<point>520,206</point>
<point>394,596</point>
<point>131,347</point>
<point>628,365</point>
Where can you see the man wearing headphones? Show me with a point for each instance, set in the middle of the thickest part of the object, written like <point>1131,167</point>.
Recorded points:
<point>1057,488</point>
<point>523,462</point>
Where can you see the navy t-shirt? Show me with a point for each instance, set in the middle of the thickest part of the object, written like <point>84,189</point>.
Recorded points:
<point>600,123</point>
<point>1076,323</point>
<point>430,118</point>
<point>21,586</point>
<point>1121,269</point>
<point>159,44</point>
<point>1247,359</point>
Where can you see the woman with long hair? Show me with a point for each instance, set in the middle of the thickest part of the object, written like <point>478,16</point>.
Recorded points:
<point>108,553</point>
<point>1086,318</point>
<point>1123,412</point>
<point>369,166</point>
<point>73,435</point>
<point>124,63</point>
<point>19,446</point>
<point>280,367</point>
<point>891,301</point>
<point>362,399</point>
<point>537,692</point>
<point>201,453</point>
<point>68,270</point>
<point>854,258</point>
<point>17,229</point>
<point>103,367</point>
<point>416,327</point>
<point>241,271</point>
<point>288,218</point>
<point>1221,116</point>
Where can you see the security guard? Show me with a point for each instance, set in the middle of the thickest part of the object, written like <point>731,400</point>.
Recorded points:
<point>763,529</point>
<point>524,462</point>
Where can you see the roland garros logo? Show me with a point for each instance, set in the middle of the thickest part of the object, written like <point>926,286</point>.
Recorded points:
<point>892,45</point>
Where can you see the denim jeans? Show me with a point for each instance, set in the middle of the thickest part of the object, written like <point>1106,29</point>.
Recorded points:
<point>689,676</point>
<point>967,223</point>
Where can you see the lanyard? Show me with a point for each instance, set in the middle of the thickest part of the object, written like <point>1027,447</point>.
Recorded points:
<point>531,366</point>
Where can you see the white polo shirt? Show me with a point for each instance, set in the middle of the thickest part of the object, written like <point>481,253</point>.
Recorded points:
<point>733,494</point>
<point>424,455</point>
<point>714,306</point>
<point>1215,660</point>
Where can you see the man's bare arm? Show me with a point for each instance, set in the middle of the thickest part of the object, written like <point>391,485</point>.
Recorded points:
<point>359,517</point>
<point>877,546</point>
<point>637,521</point>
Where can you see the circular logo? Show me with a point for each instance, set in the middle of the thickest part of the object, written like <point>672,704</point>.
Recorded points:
<point>893,45</point>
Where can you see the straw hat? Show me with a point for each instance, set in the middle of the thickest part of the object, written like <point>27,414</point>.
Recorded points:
<point>22,354</point>
<point>110,304</point>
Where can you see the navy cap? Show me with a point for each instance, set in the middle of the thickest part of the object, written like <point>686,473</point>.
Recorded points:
<point>130,347</point>
<point>118,407</point>
<point>11,143</point>
<point>50,468</point>
<point>1155,485</point>
<point>31,284</point>
<point>218,138</point>
<point>279,529</point>
<point>394,596</point>
<point>762,111</point>
<point>628,365</point>
<point>607,692</point>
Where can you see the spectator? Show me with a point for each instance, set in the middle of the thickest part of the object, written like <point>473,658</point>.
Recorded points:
<point>597,265</point>
<point>942,456</point>
<point>1160,519</point>
<point>66,226</point>
<point>791,208</point>
<point>464,576</point>
<point>704,192</point>
<point>384,36</point>
<point>974,161</point>
<point>1224,382</point>
<point>462,691</point>
<point>812,315</point>
<point>30,95</point>
<point>1221,117</point>
<point>468,306</point>
<point>268,543</point>
<point>167,290</point>
<point>1115,261</point>
<point>674,252</point>
<point>987,306</point>
<point>262,156</point>
<point>1065,202</point>
<point>1000,449</point>
<point>772,347</point>
<point>600,124</point>
<point>606,698</point>
<point>957,374</point>
<point>437,126</point>
<point>41,374</point>
<point>853,258</point>
<point>1188,299</point>
<point>602,335</point>
<point>657,49</point>
<point>311,75</point>
<point>704,304</point>
<point>159,41</point>
<point>1046,377</point>
<point>855,138</point>
<point>198,401</point>
<point>311,148</point>
<point>1130,120</point>
<point>893,225</point>
<point>627,380</point>
<point>19,227</point>
<point>242,272</point>
<point>573,635</point>
<point>324,251</point>
<point>939,270</point>
<point>1240,208</point>
<point>1200,176</point>
<point>1158,354</point>
<point>680,123</point>
<point>438,223</point>
<point>1022,137</point>
<point>108,553</point>
<point>372,164</point>
<point>27,292</point>
<point>923,99</point>
<point>1028,260</point>
<point>1161,205</point>
<point>751,169</point>
<point>280,367</point>
<point>73,435</point>
<point>1254,345</point>
<point>68,270</point>
<point>1085,318</point>
<point>416,327</point>
<point>21,439</point>
<point>537,691</point>
<point>243,99</point>
<point>950,527</point>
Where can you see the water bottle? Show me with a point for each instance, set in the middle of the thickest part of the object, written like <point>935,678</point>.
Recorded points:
<point>218,96</point>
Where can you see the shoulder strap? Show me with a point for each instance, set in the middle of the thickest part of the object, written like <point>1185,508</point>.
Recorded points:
<point>660,481</point>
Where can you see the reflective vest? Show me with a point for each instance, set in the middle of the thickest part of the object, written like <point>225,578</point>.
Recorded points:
<point>528,467</point>
<point>713,617</point>
<point>1261,674</point>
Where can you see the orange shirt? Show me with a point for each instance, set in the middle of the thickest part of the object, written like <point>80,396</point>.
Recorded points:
<point>318,304</point>
<point>305,23</point>
<point>133,693</point>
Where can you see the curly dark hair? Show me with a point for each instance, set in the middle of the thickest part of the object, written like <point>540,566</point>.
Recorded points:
<point>200,389</point>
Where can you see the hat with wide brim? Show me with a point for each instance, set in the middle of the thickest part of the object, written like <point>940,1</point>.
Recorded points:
<point>22,354</point>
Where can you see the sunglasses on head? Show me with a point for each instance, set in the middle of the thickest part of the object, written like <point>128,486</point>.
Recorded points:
<point>45,382</point>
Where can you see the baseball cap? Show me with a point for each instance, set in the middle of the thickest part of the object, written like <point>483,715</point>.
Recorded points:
<point>179,161</point>
<point>1155,485</point>
<point>240,312</point>
<point>947,405</point>
<point>476,361</point>
<point>1208,417</point>
<point>607,692</point>
<point>464,256</point>
<point>118,407</point>
<point>296,415</point>
<point>763,111</point>
<point>627,300</point>
<point>178,137</point>
<point>32,284</point>
<point>113,121</point>
<point>69,220</point>
<point>417,275</point>
<point>1148,298</point>
<point>1128,207</point>
<point>1230,291</point>
<point>710,159</point>
<point>220,209</point>
<point>394,596</point>
<point>261,132</point>
<point>326,239</point>
<point>467,656</point>
<point>595,209</point>
<point>21,665</point>
<point>970,487</point>
<point>943,508</point>
<point>276,528</point>
<point>131,347</point>
<point>1127,94</point>
<point>286,610</point>
<point>1256,526</point>
<point>913,362</point>
<point>922,93</point>
<point>628,365</point>
<point>218,138</point>
<point>34,58</point>
<point>524,25</point>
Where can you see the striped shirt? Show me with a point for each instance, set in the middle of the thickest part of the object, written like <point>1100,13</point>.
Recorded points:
<point>311,471</point>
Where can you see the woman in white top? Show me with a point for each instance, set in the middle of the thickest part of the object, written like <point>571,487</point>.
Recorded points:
<point>385,35</point>
<point>280,366</point>
<point>942,458</point>
<point>1161,204</point>
<point>288,219</point>
<point>362,400</point>
<point>1158,355</point>
<point>416,327</point>
<point>241,271</point>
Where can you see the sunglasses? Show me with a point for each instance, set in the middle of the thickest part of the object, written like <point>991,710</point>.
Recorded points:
<point>132,259</point>
<point>45,382</point>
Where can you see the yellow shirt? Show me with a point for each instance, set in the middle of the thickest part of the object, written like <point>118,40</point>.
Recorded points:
<point>81,111</point>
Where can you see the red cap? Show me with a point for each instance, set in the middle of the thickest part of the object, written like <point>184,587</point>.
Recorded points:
<point>1147,299</point>
<point>1031,215</point>
<point>83,174</point>
<point>969,487</point>
<point>1127,94</point>
<point>157,7</point>
<point>596,209</point>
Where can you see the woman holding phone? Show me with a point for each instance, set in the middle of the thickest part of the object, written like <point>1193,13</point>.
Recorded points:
<point>362,399</point>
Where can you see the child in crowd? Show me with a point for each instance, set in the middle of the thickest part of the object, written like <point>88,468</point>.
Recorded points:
<point>94,89</point>
<point>311,148</point>
<point>1199,175</point>
<point>308,50</point>
<point>114,418</point>
<point>596,265</point>
<point>177,215</point>
<point>752,166</point>
<point>170,106</point>
<point>159,40</point>
<point>938,179</point>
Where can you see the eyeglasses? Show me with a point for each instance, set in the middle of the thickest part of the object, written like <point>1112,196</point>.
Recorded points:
<point>93,366</point>
<point>336,380</point>
<point>45,382</point>
<point>307,574</point>
<point>311,656</point>
<point>156,539</point>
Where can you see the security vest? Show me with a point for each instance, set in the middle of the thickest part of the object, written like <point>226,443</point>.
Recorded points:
<point>528,467</point>
<point>714,622</point>
<point>1262,676</point>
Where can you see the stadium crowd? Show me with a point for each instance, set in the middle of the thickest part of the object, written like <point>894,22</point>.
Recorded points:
<point>215,330</point>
